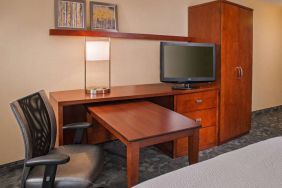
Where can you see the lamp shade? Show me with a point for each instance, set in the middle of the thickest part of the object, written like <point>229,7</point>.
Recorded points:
<point>97,50</point>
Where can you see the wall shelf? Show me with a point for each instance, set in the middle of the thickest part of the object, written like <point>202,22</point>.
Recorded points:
<point>136,36</point>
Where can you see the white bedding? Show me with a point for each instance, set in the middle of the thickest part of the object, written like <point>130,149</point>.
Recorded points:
<point>255,166</point>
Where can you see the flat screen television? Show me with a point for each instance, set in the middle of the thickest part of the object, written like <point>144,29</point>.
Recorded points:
<point>186,63</point>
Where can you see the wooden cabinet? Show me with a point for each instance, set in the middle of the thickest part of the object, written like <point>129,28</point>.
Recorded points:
<point>236,71</point>
<point>230,27</point>
<point>202,107</point>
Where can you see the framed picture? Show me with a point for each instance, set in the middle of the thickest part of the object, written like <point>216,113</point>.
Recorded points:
<point>70,14</point>
<point>103,16</point>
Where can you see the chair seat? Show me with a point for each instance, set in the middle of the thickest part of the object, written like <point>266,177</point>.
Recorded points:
<point>86,162</point>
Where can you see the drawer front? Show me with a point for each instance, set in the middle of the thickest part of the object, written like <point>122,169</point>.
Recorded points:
<point>196,101</point>
<point>205,118</point>
<point>207,139</point>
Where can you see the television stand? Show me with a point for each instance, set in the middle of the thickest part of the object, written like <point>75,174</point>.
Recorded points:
<point>182,87</point>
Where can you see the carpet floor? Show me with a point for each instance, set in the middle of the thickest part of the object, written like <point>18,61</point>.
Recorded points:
<point>265,124</point>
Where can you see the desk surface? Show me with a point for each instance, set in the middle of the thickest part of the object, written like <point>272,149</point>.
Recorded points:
<point>140,120</point>
<point>72,97</point>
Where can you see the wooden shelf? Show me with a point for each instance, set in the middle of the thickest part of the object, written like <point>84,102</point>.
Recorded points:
<point>137,36</point>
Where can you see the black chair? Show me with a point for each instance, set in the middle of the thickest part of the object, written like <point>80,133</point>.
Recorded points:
<point>67,166</point>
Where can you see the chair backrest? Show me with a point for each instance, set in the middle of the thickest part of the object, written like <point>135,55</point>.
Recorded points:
<point>37,122</point>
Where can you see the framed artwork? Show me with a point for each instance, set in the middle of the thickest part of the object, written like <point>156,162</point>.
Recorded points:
<point>70,14</point>
<point>103,16</point>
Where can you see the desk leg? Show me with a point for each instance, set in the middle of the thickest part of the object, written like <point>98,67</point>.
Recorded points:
<point>193,150</point>
<point>133,151</point>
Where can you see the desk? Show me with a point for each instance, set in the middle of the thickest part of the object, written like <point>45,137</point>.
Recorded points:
<point>141,124</point>
<point>69,107</point>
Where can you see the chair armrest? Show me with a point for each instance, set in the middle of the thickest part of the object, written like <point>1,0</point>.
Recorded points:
<point>50,159</point>
<point>81,125</point>
<point>79,130</point>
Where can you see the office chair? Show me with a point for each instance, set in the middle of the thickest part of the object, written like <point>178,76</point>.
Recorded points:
<point>67,166</point>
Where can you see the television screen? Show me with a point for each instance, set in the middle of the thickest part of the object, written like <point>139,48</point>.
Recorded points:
<point>187,62</point>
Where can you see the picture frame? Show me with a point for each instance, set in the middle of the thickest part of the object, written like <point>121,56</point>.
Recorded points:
<point>70,14</point>
<point>103,16</point>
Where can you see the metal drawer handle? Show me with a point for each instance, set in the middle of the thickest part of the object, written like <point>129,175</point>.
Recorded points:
<point>199,120</point>
<point>199,101</point>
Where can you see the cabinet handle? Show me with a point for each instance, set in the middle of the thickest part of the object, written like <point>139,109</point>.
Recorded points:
<point>239,72</point>
<point>198,120</point>
<point>199,101</point>
<point>242,71</point>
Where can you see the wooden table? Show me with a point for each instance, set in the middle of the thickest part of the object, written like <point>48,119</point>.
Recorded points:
<point>141,124</point>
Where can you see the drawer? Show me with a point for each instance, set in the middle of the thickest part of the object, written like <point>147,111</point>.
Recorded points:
<point>205,118</point>
<point>207,137</point>
<point>207,140</point>
<point>196,101</point>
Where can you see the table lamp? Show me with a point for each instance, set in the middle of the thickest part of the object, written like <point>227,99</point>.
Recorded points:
<point>97,52</point>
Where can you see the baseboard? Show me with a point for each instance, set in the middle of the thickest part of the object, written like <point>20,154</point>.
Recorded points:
<point>11,166</point>
<point>266,110</point>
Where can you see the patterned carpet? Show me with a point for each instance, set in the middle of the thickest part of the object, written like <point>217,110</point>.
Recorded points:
<point>265,124</point>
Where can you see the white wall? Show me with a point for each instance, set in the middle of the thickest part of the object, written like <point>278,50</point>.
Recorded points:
<point>30,59</point>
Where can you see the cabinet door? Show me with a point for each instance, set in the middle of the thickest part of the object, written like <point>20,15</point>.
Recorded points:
<point>236,71</point>
<point>246,61</point>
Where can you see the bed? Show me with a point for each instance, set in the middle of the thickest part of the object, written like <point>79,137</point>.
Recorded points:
<point>255,166</point>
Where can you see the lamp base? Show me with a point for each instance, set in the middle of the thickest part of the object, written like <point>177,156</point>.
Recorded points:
<point>98,90</point>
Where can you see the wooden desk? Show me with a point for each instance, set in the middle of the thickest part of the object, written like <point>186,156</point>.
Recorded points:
<point>141,124</point>
<point>69,107</point>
